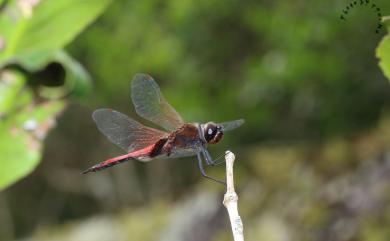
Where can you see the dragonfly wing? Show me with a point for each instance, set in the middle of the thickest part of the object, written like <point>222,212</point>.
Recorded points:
<point>230,125</point>
<point>150,103</point>
<point>125,132</point>
<point>176,153</point>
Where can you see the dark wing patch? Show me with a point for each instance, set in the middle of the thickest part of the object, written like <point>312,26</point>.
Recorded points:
<point>125,132</point>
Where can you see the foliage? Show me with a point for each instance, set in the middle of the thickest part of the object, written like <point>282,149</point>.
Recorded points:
<point>383,50</point>
<point>33,35</point>
<point>23,127</point>
<point>312,156</point>
<point>292,82</point>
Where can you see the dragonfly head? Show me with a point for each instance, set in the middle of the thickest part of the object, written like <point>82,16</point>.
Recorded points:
<point>211,132</point>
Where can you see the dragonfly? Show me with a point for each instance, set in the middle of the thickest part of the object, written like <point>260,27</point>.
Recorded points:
<point>142,143</point>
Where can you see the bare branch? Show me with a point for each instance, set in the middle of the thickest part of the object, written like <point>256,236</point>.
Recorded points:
<point>230,200</point>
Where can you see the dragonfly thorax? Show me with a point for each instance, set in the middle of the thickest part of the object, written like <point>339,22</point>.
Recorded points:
<point>211,132</point>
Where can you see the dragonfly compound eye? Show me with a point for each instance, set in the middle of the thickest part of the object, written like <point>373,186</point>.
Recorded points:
<point>213,133</point>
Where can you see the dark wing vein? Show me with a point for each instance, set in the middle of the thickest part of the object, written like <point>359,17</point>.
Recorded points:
<point>125,132</point>
<point>150,103</point>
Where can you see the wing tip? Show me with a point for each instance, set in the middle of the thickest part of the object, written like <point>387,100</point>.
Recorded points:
<point>240,122</point>
<point>97,112</point>
<point>230,125</point>
<point>91,169</point>
<point>141,76</point>
<point>140,79</point>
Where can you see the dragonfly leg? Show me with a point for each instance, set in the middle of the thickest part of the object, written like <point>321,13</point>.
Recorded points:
<point>209,160</point>
<point>218,163</point>
<point>202,171</point>
<point>207,157</point>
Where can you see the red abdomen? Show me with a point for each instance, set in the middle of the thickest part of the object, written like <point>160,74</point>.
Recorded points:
<point>145,154</point>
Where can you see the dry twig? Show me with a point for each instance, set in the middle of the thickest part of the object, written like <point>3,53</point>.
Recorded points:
<point>230,199</point>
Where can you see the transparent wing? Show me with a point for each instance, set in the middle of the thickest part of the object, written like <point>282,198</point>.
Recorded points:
<point>230,125</point>
<point>150,104</point>
<point>125,132</point>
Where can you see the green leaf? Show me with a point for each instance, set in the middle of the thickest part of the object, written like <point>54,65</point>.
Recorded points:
<point>383,50</point>
<point>386,22</point>
<point>30,41</point>
<point>383,53</point>
<point>23,127</point>
<point>18,158</point>
<point>11,85</point>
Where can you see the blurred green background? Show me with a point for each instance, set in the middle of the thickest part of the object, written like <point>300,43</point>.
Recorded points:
<point>312,159</point>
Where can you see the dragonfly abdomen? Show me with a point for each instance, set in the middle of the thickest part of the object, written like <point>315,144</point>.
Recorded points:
<point>144,154</point>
